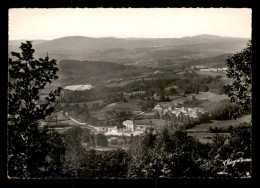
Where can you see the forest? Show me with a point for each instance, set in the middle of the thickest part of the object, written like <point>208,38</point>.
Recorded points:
<point>164,154</point>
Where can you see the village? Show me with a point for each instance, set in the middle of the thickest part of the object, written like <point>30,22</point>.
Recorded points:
<point>204,68</point>
<point>177,111</point>
<point>119,136</point>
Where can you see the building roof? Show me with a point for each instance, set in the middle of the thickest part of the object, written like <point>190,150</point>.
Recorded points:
<point>129,122</point>
<point>199,66</point>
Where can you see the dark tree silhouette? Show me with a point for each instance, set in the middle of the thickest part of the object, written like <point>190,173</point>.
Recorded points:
<point>27,78</point>
<point>240,70</point>
<point>74,150</point>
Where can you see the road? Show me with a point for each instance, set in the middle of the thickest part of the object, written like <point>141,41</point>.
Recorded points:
<point>92,128</point>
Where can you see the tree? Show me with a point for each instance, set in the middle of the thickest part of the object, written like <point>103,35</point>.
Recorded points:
<point>237,146</point>
<point>173,91</point>
<point>101,140</point>
<point>54,145</point>
<point>240,71</point>
<point>167,98</point>
<point>74,150</point>
<point>166,154</point>
<point>86,135</point>
<point>27,78</point>
<point>95,106</point>
<point>104,164</point>
<point>84,113</point>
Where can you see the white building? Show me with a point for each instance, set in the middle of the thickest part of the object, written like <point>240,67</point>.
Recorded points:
<point>158,107</point>
<point>214,69</point>
<point>101,129</point>
<point>112,138</point>
<point>158,72</point>
<point>129,124</point>
<point>224,69</point>
<point>205,70</point>
<point>140,127</point>
<point>191,112</point>
<point>79,87</point>
<point>199,67</point>
<point>143,127</point>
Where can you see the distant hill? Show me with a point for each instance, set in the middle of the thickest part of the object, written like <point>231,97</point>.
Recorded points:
<point>88,43</point>
<point>82,72</point>
<point>18,42</point>
<point>216,61</point>
<point>131,50</point>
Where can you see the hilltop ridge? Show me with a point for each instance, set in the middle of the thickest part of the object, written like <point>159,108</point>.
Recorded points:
<point>132,50</point>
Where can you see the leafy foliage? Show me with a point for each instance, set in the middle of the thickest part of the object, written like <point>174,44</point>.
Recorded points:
<point>240,70</point>
<point>74,151</point>
<point>27,78</point>
<point>171,154</point>
<point>101,140</point>
<point>54,146</point>
<point>105,164</point>
<point>166,154</point>
<point>237,146</point>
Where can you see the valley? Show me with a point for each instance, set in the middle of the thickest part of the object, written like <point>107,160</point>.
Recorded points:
<point>109,81</point>
<point>137,94</point>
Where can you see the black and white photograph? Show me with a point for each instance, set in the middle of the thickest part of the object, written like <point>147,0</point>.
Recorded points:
<point>129,93</point>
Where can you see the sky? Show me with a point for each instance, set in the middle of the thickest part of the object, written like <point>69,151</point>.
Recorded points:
<point>48,24</point>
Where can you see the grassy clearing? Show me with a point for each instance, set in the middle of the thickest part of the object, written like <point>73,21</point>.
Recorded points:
<point>205,137</point>
<point>210,105</point>
<point>209,100</point>
<point>158,123</point>
<point>220,124</point>
<point>59,115</point>
<point>131,106</point>
<point>201,131</point>
<point>211,96</point>
<point>89,104</point>
<point>211,73</point>
<point>180,100</point>
<point>226,80</point>
<point>118,83</point>
<point>234,123</point>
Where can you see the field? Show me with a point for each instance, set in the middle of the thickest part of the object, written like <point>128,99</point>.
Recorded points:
<point>221,124</point>
<point>118,83</point>
<point>89,104</point>
<point>158,123</point>
<point>205,137</point>
<point>201,131</point>
<point>223,79</point>
<point>210,73</point>
<point>61,120</point>
<point>226,80</point>
<point>211,96</point>
<point>130,105</point>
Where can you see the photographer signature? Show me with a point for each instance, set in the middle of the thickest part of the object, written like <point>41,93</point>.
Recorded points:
<point>230,162</point>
